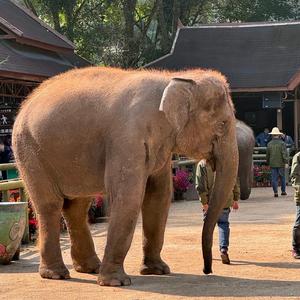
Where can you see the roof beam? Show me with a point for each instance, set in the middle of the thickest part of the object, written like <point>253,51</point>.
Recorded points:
<point>6,37</point>
<point>22,76</point>
<point>10,27</point>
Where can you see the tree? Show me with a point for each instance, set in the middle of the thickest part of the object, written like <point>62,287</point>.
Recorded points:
<point>131,33</point>
<point>253,10</point>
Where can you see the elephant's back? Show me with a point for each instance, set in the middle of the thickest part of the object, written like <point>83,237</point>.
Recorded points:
<point>95,97</point>
<point>245,135</point>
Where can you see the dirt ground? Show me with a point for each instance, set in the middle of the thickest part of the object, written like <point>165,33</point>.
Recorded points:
<point>260,252</point>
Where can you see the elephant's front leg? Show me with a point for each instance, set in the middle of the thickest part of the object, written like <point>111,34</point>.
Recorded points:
<point>155,212</point>
<point>126,187</point>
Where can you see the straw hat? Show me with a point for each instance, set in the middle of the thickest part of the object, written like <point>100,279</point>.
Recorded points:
<point>275,131</point>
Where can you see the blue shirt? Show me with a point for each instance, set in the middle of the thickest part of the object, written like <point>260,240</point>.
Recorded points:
<point>288,140</point>
<point>263,139</point>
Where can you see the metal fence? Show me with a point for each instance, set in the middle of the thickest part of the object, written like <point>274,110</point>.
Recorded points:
<point>260,154</point>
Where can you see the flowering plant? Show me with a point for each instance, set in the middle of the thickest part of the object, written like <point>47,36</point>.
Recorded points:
<point>261,173</point>
<point>181,181</point>
<point>33,223</point>
<point>96,209</point>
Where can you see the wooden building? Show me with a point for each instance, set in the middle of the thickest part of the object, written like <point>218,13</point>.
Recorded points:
<point>261,62</point>
<point>30,52</point>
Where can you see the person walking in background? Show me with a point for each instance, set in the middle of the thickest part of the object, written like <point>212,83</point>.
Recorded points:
<point>295,178</point>
<point>277,158</point>
<point>289,143</point>
<point>263,138</point>
<point>205,177</point>
<point>5,154</point>
<point>288,140</point>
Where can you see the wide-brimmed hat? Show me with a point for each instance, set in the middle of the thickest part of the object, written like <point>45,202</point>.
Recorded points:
<point>275,131</point>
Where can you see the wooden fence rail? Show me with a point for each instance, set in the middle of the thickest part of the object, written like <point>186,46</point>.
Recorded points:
<point>13,184</point>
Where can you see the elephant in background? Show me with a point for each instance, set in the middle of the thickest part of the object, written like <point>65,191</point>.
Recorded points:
<point>104,129</point>
<point>246,143</point>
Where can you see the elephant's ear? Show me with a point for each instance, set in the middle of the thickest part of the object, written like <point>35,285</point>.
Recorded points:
<point>176,102</point>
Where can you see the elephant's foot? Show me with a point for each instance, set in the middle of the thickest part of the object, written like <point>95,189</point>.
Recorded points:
<point>59,272</point>
<point>117,277</point>
<point>90,265</point>
<point>156,267</point>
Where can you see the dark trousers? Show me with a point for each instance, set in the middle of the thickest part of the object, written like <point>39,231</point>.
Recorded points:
<point>224,230</point>
<point>296,231</point>
<point>4,175</point>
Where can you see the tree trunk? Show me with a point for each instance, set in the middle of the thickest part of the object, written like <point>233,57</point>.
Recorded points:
<point>163,26</point>
<point>130,50</point>
<point>69,8</point>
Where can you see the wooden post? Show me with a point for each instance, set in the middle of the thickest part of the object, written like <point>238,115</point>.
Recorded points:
<point>297,118</point>
<point>279,118</point>
<point>5,196</point>
<point>296,121</point>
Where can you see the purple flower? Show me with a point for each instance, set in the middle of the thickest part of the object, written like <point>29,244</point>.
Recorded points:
<point>181,181</point>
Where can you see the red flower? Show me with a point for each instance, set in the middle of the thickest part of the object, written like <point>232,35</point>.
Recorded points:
<point>181,181</point>
<point>2,250</point>
<point>33,222</point>
<point>98,201</point>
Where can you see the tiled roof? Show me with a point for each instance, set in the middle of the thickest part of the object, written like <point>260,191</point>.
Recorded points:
<point>253,56</point>
<point>25,25</point>
<point>29,61</point>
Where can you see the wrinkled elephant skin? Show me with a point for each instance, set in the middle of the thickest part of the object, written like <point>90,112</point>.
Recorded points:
<point>246,143</point>
<point>103,129</point>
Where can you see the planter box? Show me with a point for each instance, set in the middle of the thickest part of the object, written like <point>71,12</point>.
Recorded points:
<point>261,184</point>
<point>12,226</point>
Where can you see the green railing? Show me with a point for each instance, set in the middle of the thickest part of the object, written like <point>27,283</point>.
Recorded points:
<point>260,158</point>
<point>260,155</point>
<point>13,184</point>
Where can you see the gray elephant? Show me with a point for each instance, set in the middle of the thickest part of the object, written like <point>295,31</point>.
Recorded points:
<point>246,143</point>
<point>103,129</point>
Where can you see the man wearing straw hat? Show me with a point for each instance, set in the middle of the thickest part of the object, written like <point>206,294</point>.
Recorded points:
<point>277,157</point>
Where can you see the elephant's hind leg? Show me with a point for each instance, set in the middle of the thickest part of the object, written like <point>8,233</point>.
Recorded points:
<point>51,265</point>
<point>48,205</point>
<point>155,212</point>
<point>83,252</point>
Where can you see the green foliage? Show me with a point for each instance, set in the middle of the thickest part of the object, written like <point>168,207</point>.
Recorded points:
<point>253,10</point>
<point>131,33</point>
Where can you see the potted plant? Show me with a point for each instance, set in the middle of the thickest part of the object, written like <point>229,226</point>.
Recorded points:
<point>12,226</point>
<point>180,183</point>
<point>262,174</point>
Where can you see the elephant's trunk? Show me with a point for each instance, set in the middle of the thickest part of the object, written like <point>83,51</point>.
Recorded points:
<point>226,158</point>
<point>246,182</point>
<point>245,171</point>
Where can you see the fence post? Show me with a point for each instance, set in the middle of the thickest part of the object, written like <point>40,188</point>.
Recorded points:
<point>5,196</point>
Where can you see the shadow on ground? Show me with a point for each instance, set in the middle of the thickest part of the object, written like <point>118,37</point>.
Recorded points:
<point>190,285</point>
<point>30,259</point>
<point>277,265</point>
